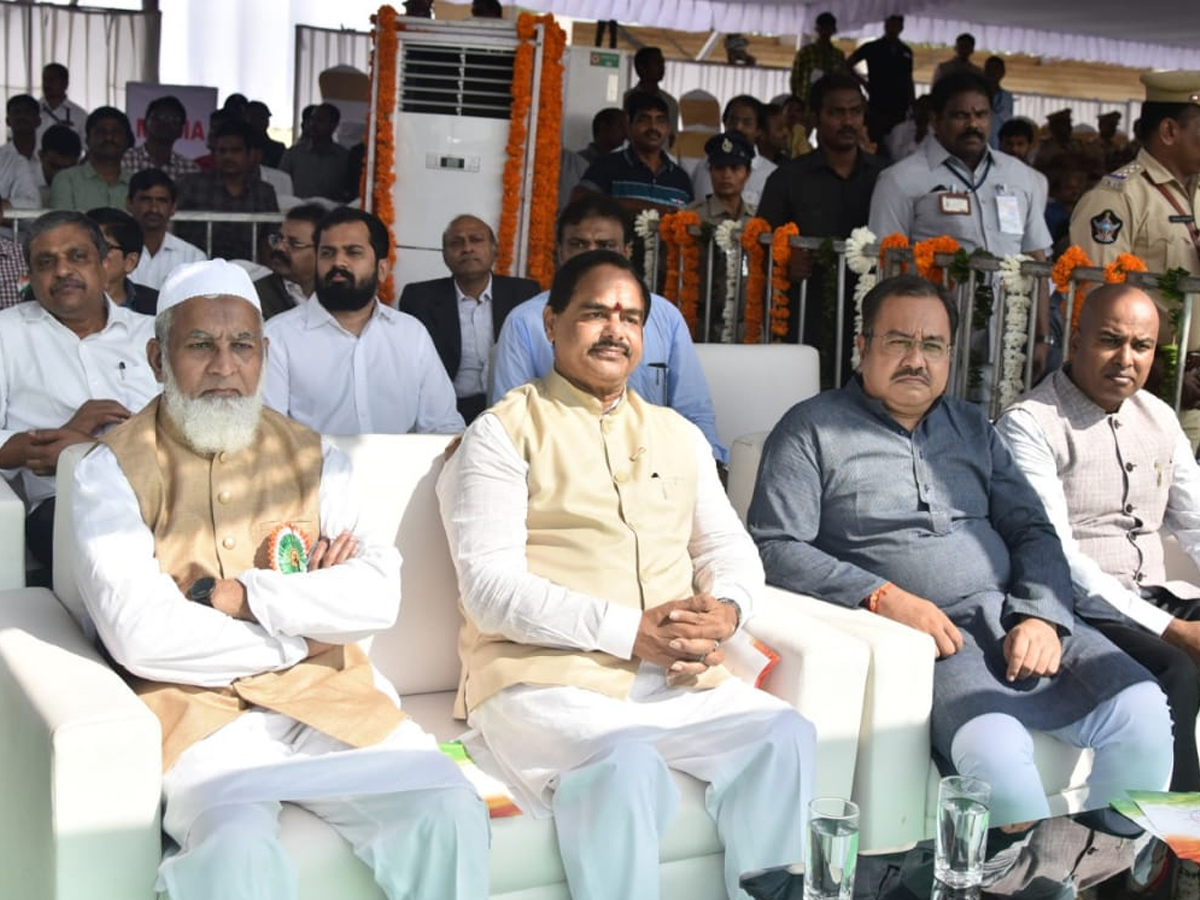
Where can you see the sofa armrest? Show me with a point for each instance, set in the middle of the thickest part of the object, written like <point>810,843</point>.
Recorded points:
<point>12,548</point>
<point>893,752</point>
<point>744,456</point>
<point>80,764</point>
<point>822,671</point>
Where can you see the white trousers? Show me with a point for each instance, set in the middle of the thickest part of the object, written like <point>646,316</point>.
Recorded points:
<point>1130,738</point>
<point>603,766</point>
<point>402,805</point>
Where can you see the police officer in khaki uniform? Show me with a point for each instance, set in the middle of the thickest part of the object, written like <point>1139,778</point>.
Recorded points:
<point>1149,207</point>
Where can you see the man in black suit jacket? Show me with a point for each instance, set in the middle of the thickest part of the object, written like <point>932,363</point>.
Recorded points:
<point>463,313</point>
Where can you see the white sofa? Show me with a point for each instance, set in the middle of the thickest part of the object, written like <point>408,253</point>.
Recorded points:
<point>80,757</point>
<point>12,550</point>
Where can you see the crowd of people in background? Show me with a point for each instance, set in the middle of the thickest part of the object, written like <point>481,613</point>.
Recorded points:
<point>534,370</point>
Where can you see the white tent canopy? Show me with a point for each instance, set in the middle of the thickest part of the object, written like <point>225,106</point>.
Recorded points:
<point>1159,34</point>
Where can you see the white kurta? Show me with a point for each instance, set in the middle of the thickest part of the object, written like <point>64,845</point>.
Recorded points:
<point>47,373</point>
<point>388,380</point>
<point>263,757</point>
<point>601,763</point>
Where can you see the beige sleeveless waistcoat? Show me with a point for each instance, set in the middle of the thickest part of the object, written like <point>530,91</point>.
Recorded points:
<point>611,503</point>
<point>213,516</point>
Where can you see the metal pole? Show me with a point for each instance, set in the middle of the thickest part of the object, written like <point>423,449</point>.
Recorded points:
<point>766,298</point>
<point>737,293</point>
<point>1066,342</point>
<point>208,228</point>
<point>1031,331</point>
<point>841,319</point>
<point>968,314</point>
<point>1185,328</point>
<point>708,301</point>
<point>999,313</point>
<point>803,309</point>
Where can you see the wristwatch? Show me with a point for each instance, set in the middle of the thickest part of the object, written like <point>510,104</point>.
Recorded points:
<point>201,590</point>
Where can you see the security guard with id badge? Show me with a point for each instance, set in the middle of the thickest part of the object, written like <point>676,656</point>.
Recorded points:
<point>956,185</point>
<point>1149,206</point>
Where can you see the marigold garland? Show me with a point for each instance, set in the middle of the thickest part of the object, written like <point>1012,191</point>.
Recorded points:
<point>683,263</point>
<point>383,62</point>
<point>547,152</point>
<point>514,165</point>
<point>1071,259</point>
<point>1117,270</point>
<point>781,255</point>
<point>894,241</point>
<point>757,278</point>
<point>924,252</point>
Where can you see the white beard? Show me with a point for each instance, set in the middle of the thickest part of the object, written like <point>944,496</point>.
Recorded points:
<point>212,424</point>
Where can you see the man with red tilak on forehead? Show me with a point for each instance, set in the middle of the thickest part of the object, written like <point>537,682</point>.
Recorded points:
<point>602,573</point>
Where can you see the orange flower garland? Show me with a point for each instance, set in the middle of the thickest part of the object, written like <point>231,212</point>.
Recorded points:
<point>1117,270</point>
<point>683,263</point>
<point>894,241</point>
<point>781,255</point>
<point>756,280</point>
<point>383,60</point>
<point>1071,259</point>
<point>547,150</point>
<point>924,252</point>
<point>514,165</point>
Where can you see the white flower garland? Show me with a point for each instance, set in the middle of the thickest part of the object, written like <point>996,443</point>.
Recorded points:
<point>862,264</point>
<point>1018,290</point>
<point>728,238</point>
<point>646,227</point>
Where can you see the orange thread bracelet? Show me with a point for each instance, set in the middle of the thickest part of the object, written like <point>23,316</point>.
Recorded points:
<point>876,595</point>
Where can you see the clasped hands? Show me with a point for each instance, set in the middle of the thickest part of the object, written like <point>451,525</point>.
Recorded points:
<point>229,594</point>
<point>45,444</point>
<point>1031,647</point>
<point>685,636</point>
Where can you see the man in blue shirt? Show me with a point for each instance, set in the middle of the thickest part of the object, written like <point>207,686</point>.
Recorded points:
<point>888,495</point>
<point>641,175</point>
<point>669,373</point>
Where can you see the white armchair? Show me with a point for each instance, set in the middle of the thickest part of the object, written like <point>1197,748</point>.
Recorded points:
<point>80,758</point>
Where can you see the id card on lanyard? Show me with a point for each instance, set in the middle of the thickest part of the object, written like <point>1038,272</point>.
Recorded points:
<point>1008,211</point>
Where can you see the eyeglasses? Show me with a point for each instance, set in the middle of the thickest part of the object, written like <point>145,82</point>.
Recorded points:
<point>277,240</point>
<point>902,345</point>
<point>578,245</point>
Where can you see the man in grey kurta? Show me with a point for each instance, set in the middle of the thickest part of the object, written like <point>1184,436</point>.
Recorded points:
<point>889,495</point>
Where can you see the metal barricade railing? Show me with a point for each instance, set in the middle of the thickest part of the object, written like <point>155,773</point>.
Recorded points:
<point>209,217</point>
<point>983,273</point>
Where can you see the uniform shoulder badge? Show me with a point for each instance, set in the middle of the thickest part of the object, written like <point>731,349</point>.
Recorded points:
<point>1118,179</point>
<point>1106,227</point>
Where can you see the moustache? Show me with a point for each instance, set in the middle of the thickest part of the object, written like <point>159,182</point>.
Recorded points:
<point>280,256</point>
<point>67,283</point>
<point>910,372</point>
<point>345,273</point>
<point>605,343</point>
<point>971,132</point>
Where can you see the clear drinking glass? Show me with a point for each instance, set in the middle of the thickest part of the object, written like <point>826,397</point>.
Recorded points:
<point>831,852</point>
<point>962,824</point>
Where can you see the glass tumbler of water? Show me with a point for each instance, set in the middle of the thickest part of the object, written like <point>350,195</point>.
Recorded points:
<point>832,849</point>
<point>962,824</point>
